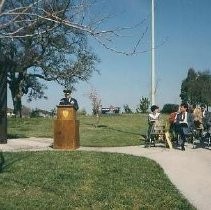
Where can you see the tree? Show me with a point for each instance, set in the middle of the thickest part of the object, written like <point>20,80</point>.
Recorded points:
<point>53,112</point>
<point>196,88</point>
<point>35,113</point>
<point>143,105</point>
<point>33,21</point>
<point>3,106</point>
<point>17,17</point>
<point>127,109</point>
<point>50,43</point>
<point>82,112</point>
<point>26,111</point>
<point>61,54</point>
<point>169,108</point>
<point>204,82</point>
<point>96,105</point>
<point>95,100</point>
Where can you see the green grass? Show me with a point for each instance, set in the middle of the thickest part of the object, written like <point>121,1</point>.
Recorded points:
<point>117,130</point>
<point>85,180</point>
<point>112,130</point>
<point>28,127</point>
<point>120,130</point>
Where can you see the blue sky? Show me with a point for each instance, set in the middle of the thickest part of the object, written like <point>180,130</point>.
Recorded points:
<point>182,36</point>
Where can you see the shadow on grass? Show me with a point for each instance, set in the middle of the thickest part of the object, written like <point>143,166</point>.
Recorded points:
<point>143,136</point>
<point>16,136</point>
<point>5,164</point>
<point>111,128</point>
<point>95,125</point>
<point>122,131</point>
<point>102,126</point>
<point>2,161</point>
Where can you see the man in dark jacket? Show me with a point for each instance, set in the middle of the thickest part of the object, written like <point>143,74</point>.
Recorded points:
<point>184,123</point>
<point>68,100</point>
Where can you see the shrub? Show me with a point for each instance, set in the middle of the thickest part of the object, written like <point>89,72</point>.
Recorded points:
<point>169,108</point>
<point>81,112</point>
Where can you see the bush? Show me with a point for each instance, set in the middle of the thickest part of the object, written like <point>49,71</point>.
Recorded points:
<point>127,109</point>
<point>34,113</point>
<point>169,108</point>
<point>81,112</point>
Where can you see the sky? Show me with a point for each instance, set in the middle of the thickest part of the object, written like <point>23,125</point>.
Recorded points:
<point>182,39</point>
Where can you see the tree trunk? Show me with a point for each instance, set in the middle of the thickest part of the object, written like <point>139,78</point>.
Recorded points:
<point>3,106</point>
<point>16,93</point>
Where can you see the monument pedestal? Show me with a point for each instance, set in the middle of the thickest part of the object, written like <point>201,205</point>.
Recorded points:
<point>66,128</point>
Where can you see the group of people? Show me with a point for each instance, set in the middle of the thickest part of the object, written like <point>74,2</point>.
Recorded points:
<point>183,120</point>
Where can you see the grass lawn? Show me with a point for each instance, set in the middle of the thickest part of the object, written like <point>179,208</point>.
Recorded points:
<point>85,180</point>
<point>115,130</point>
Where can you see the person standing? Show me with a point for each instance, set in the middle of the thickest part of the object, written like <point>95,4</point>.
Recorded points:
<point>68,100</point>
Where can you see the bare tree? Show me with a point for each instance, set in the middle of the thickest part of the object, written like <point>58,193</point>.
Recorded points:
<point>24,19</point>
<point>17,16</point>
<point>60,54</point>
<point>37,26</point>
<point>96,104</point>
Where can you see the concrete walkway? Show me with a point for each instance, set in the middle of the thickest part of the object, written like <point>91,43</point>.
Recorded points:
<point>189,170</point>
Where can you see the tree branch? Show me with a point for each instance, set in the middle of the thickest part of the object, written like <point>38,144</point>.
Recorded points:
<point>29,18</point>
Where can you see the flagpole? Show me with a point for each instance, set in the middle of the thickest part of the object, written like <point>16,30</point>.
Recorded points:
<point>153,55</point>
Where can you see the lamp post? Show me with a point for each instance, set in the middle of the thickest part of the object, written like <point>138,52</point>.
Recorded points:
<point>152,54</point>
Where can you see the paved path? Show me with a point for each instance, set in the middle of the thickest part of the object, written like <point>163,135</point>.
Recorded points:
<point>190,170</point>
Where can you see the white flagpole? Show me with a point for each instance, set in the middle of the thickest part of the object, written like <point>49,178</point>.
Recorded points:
<point>153,55</point>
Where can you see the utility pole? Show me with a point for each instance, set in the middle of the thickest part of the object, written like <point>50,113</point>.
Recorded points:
<point>153,54</point>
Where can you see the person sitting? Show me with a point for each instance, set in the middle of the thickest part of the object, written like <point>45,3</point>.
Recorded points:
<point>206,119</point>
<point>197,118</point>
<point>184,123</point>
<point>153,117</point>
<point>172,121</point>
<point>198,125</point>
<point>68,100</point>
<point>205,115</point>
<point>207,125</point>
